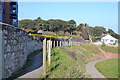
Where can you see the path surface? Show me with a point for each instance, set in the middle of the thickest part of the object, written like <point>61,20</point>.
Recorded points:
<point>90,68</point>
<point>35,68</point>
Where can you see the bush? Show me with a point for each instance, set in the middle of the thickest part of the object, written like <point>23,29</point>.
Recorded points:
<point>103,45</point>
<point>94,39</point>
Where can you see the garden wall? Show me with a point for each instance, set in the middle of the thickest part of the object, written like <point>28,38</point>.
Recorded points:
<point>15,45</point>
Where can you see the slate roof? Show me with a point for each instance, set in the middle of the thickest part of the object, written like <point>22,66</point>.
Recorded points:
<point>46,32</point>
<point>77,39</point>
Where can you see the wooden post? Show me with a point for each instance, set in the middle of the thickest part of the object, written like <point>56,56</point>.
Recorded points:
<point>57,43</point>
<point>51,44</point>
<point>44,56</point>
<point>47,45</point>
<point>60,43</point>
<point>54,44</point>
<point>49,52</point>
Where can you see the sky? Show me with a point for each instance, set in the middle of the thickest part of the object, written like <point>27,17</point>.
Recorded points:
<point>93,13</point>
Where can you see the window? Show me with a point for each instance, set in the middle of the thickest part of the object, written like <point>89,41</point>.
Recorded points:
<point>111,40</point>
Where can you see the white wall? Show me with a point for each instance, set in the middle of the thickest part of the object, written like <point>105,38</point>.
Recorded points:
<point>107,39</point>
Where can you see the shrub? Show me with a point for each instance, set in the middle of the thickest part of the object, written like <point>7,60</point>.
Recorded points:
<point>103,45</point>
<point>94,39</point>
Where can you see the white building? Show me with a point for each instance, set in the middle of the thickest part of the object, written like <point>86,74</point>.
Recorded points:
<point>107,39</point>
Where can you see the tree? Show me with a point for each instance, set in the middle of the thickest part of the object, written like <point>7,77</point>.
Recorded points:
<point>39,19</point>
<point>80,27</point>
<point>97,31</point>
<point>72,22</point>
<point>112,33</point>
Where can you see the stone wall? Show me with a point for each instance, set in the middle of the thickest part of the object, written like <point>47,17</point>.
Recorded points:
<point>17,45</point>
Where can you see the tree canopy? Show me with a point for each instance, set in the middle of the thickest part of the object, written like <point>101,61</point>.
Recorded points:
<point>54,25</point>
<point>65,27</point>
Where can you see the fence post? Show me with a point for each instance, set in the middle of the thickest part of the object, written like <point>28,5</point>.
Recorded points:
<point>51,44</point>
<point>44,56</point>
<point>49,52</point>
<point>47,45</point>
<point>60,43</point>
<point>54,44</point>
<point>1,53</point>
<point>57,43</point>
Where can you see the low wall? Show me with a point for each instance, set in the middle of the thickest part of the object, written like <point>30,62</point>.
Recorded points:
<point>16,45</point>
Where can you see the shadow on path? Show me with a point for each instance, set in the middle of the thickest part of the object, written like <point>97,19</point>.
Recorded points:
<point>36,61</point>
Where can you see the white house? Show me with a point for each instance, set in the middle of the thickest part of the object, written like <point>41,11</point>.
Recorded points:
<point>107,39</point>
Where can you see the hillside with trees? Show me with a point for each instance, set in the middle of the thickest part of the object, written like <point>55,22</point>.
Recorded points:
<point>61,27</point>
<point>48,25</point>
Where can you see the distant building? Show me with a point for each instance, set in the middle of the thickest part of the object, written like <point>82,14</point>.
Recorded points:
<point>9,12</point>
<point>46,32</point>
<point>77,39</point>
<point>107,39</point>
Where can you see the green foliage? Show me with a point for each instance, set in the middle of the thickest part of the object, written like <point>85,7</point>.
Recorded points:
<point>62,59</point>
<point>112,33</point>
<point>48,25</point>
<point>94,39</point>
<point>103,45</point>
<point>83,28</point>
<point>109,68</point>
<point>97,31</point>
<point>79,27</point>
<point>72,22</point>
<point>74,33</point>
<point>89,50</point>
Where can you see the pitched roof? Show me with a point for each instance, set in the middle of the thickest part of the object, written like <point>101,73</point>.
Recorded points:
<point>46,32</point>
<point>77,39</point>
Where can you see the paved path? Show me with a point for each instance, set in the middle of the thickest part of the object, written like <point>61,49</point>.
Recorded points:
<point>90,67</point>
<point>35,68</point>
<point>34,74</point>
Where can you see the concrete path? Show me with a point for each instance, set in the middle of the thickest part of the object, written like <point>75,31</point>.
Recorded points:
<point>90,68</point>
<point>35,68</point>
<point>34,74</point>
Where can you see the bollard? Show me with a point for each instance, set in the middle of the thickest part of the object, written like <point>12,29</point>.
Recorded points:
<point>44,56</point>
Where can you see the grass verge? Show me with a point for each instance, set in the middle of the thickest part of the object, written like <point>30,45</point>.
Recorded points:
<point>69,62</point>
<point>110,49</point>
<point>109,68</point>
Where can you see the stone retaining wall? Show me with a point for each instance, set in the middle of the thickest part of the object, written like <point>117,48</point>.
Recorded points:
<point>17,44</point>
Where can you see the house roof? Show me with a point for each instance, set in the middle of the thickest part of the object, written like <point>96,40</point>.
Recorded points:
<point>106,37</point>
<point>77,39</point>
<point>46,32</point>
<point>109,37</point>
